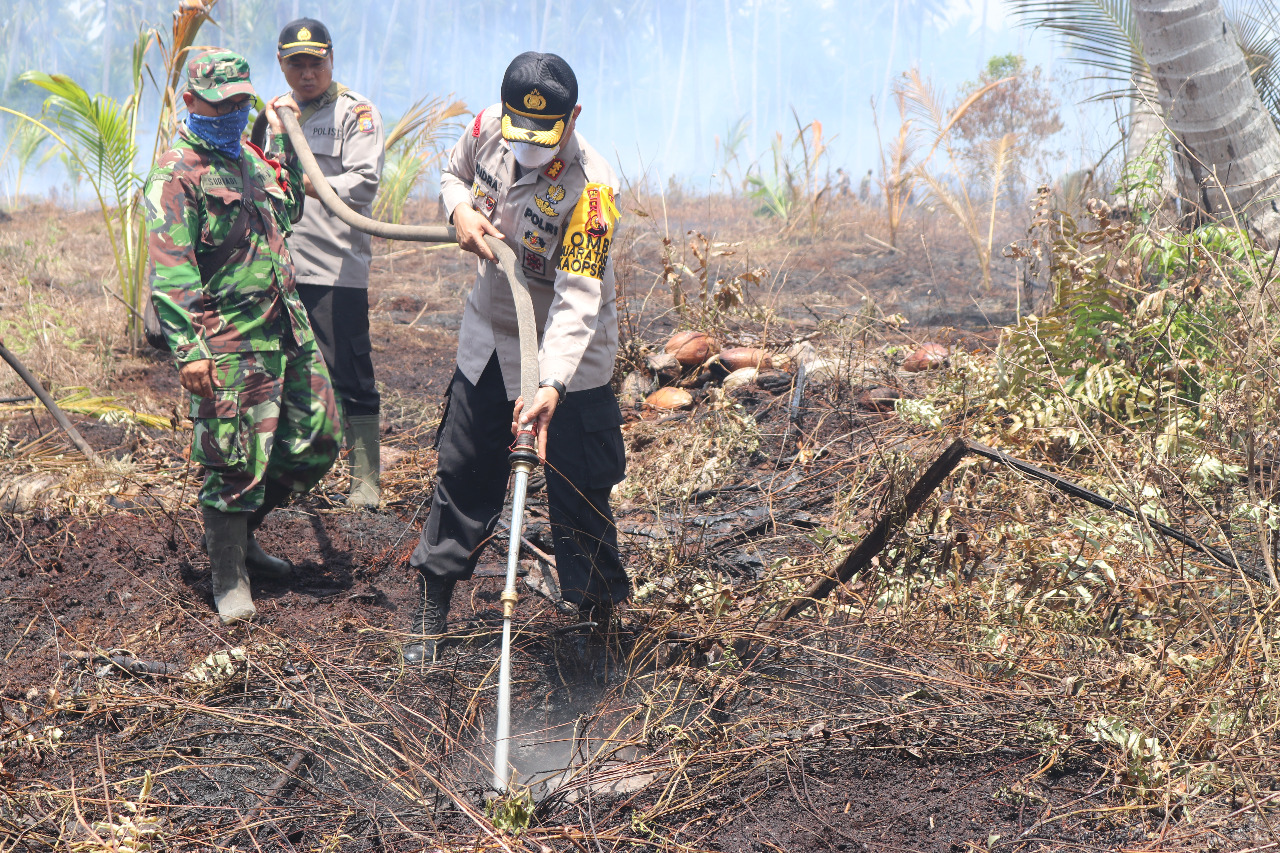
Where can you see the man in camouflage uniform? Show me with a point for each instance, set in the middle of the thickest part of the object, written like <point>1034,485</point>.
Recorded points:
<point>520,173</point>
<point>344,131</point>
<point>266,423</point>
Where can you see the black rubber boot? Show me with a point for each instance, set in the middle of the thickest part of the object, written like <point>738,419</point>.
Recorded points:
<point>429,620</point>
<point>260,564</point>
<point>226,538</point>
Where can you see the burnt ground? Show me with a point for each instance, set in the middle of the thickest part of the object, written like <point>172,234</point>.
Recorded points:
<point>320,739</point>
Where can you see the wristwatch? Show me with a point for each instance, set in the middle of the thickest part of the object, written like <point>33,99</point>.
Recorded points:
<point>556,384</point>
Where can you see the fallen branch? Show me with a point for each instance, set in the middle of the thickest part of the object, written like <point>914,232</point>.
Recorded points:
<point>874,542</point>
<point>58,414</point>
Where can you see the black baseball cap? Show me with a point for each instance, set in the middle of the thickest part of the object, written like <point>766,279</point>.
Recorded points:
<point>305,35</point>
<point>538,93</point>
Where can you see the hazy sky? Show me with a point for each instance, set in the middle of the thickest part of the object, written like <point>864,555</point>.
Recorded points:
<point>659,80</point>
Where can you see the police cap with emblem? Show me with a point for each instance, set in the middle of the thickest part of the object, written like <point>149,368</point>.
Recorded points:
<point>539,92</point>
<point>305,35</point>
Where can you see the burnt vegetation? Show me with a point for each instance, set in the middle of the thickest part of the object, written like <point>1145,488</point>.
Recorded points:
<point>1013,670</point>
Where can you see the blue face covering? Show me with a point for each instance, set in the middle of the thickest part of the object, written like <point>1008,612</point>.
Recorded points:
<point>221,132</point>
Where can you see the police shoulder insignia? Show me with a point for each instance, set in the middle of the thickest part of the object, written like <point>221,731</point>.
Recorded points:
<point>475,128</point>
<point>364,118</point>
<point>554,168</point>
<point>584,250</point>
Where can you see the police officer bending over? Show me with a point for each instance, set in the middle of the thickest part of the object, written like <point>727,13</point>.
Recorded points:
<point>345,133</point>
<point>520,173</point>
<point>264,415</point>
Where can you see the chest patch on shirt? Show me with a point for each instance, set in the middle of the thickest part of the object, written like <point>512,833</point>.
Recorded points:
<point>588,236</point>
<point>534,241</point>
<point>534,263</point>
<point>486,203</point>
<point>364,118</point>
<point>548,200</point>
<point>540,223</point>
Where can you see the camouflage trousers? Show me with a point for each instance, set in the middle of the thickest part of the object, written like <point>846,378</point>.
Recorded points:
<point>273,416</point>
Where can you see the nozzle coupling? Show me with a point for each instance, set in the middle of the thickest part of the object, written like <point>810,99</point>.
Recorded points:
<point>524,452</point>
<point>508,599</point>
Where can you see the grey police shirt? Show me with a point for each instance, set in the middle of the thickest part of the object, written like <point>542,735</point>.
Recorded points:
<point>560,220</point>
<point>345,133</point>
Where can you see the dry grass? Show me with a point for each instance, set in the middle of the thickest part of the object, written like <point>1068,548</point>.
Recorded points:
<point>54,312</point>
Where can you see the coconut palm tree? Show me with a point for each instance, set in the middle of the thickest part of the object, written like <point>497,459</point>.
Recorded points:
<point>1118,39</point>
<point>1228,142</point>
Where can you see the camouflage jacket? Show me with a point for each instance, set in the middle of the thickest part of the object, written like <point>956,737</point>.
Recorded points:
<point>192,199</point>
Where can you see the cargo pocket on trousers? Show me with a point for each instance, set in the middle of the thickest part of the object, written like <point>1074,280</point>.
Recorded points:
<point>604,455</point>
<point>217,439</point>
<point>362,361</point>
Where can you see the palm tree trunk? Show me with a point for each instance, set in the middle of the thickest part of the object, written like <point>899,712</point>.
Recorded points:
<point>1226,137</point>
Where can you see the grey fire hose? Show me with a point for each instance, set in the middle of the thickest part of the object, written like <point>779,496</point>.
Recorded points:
<point>524,457</point>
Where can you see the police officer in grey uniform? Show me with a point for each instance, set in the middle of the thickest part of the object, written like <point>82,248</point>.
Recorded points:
<point>345,133</point>
<point>521,173</point>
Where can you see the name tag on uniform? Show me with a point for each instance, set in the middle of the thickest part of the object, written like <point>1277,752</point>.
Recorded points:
<point>215,181</point>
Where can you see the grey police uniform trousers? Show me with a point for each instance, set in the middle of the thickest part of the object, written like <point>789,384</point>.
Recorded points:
<point>585,458</point>
<point>340,321</point>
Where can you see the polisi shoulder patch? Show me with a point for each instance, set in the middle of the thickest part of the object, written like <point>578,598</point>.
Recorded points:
<point>364,118</point>
<point>584,249</point>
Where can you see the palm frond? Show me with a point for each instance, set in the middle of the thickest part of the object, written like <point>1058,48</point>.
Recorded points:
<point>424,120</point>
<point>1102,34</point>
<point>1255,24</point>
<point>102,129</point>
<point>414,145</point>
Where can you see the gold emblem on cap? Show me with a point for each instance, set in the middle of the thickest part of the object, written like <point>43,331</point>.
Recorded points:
<point>304,34</point>
<point>535,101</point>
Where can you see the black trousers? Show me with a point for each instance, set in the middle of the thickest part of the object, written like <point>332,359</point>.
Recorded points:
<point>585,458</point>
<point>340,321</point>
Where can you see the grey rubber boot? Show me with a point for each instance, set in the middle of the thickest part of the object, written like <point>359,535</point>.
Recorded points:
<point>364,433</point>
<point>264,566</point>
<point>226,536</point>
<point>429,620</point>
<point>261,564</point>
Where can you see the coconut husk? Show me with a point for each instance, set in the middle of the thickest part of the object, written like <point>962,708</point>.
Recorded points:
<point>692,349</point>
<point>635,388</point>
<point>665,367</point>
<point>740,377</point>
<point>669,399</point>
<point>736,358</point>
<point>927,357</point>
<point>878,399</point>
<point>774,381</point>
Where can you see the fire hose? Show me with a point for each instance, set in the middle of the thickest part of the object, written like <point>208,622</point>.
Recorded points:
<point>524,457</point>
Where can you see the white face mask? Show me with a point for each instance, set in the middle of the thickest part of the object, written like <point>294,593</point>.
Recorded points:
<point>532,156</point>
